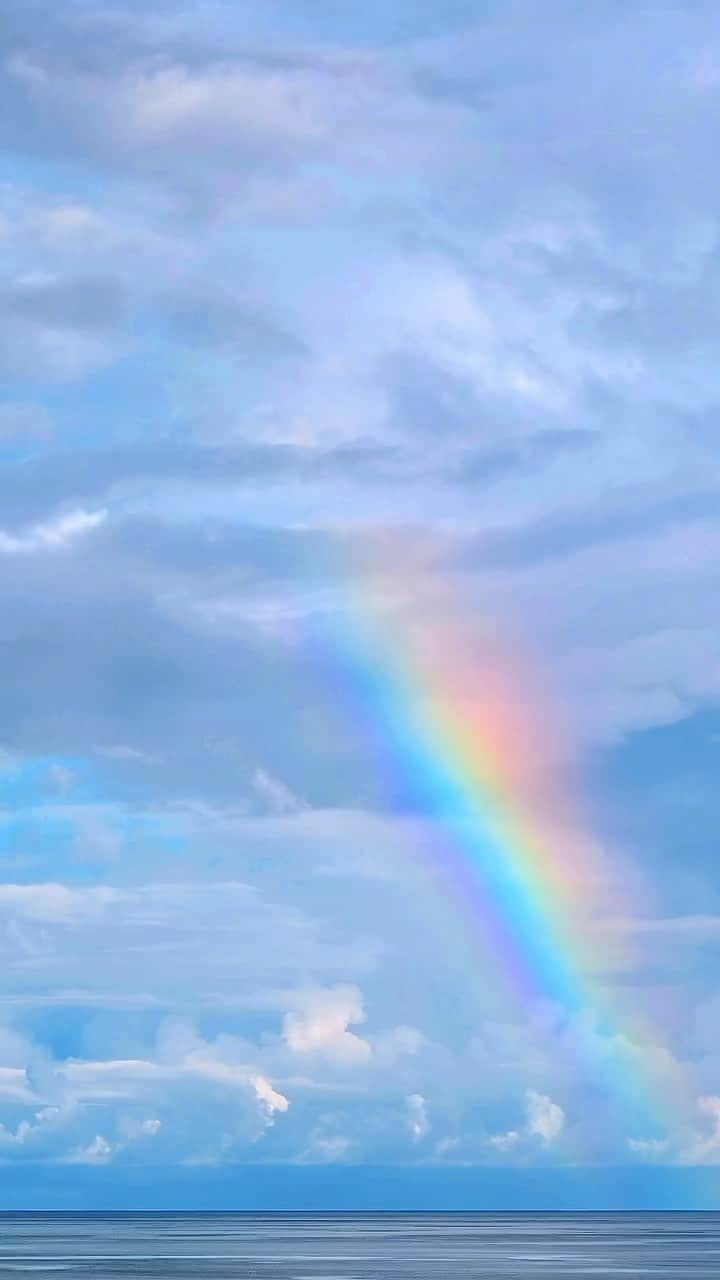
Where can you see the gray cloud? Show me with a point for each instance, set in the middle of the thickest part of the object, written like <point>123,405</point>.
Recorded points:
<point>550,537</point>
<point>96,476</point>
<point>88,303</point>
<point>528,454</point>
<point>197,316</point>
<point>202,122</point>
<point>58,328</point>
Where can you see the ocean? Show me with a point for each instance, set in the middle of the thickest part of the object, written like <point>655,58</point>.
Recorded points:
<point>344,1246</point>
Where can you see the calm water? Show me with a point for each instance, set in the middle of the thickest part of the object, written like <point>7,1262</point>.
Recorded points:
<point>360,1246</point>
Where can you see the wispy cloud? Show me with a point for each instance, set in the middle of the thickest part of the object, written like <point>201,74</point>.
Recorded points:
<point>51,535</point>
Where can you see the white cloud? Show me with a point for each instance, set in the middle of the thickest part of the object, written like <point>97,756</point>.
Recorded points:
<point>22,1132</point>
<point>204,1100</point>
<point>275,794</point>
<point>325,1148</point>
<point>401,1042</point>
<point>417,1116</point>
<point>133,945</point>
<point>75,221</point>
<point>225,105</point>
<point>118,751</point>
<point>505,1141</point>
<point>320,1025</point>
<point>649,1148</point>
<point>52,535</point>
<point>271,1100</point>
<point>706,1149</point>
<point>14,1085</point>
<point>545,1119</point>
<point>99,1151</point>
<point>57,902</point>
<point>272,114</point>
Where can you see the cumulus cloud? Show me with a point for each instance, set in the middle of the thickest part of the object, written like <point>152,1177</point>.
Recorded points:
<point>706,1149</point>
<point>320,1026</point>
<point>188,1097</point>
<point>270,1099</point>
<point>99,1151</point>
<point>545,1119</point>
<point>505,1142</point>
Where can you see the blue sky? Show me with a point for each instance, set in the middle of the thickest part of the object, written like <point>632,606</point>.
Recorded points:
<point>276,279</point>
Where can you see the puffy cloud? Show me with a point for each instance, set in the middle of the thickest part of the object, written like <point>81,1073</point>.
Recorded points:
<point>99,1151</point>
<point>320,1026</point>
<point>706,1149</point>
<point>204,1098</point>
<point>505,1142</point>
<point>545,1119</point>
<point>270,1099</point>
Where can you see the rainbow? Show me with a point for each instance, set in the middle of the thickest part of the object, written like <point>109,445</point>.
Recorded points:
<point>467,740</point>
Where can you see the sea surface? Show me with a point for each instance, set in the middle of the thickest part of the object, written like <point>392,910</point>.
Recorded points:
<point>359,1246</point>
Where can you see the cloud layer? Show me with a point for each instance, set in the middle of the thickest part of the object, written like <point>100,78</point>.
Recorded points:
<point>283,285</point>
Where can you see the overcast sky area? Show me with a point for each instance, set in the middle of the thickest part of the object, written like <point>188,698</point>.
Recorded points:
<point>287,285</point>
